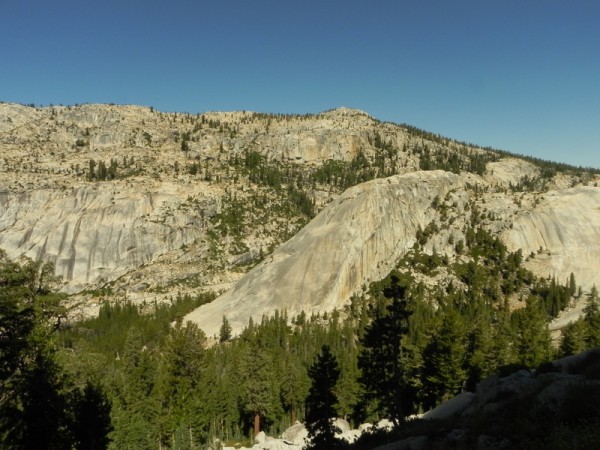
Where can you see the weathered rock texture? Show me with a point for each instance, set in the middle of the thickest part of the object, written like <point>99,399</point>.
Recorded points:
<point>99,231</point>
<point>156,229</point>
<point>522,397</point>
<point>563,232</point>
<point>355,240</point>
<point>93,233</point>
<point>359,237</point>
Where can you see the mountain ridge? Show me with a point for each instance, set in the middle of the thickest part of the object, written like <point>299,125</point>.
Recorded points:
<point>145,205</point>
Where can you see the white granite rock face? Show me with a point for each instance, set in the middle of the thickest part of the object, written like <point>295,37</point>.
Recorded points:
<point>91,233</point>
<point>563,232</point>
<point>140,230</point>
<point>355,240</point>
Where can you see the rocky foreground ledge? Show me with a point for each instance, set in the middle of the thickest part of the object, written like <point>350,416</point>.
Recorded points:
<point>504,412</point>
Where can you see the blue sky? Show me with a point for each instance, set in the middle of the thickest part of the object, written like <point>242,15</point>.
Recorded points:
<point>522,76</point>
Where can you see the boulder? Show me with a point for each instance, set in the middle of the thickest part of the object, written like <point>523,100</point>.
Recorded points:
<point>451,408</point>
<point>296,434</point>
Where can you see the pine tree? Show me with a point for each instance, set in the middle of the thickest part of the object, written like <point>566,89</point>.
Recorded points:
<point>137,406</point>
<point>444,360</point>
<point>225,331</point>
<point>93,424</point>
<point>321,402</point>
<point>383,357</point>
<point>532,338</point>
<point>592,319</point>
<point>39,406</point>
<point>179,372</point>
<point>481,360</point>
<point>348,389</point>
<point>294,387</point>
<point>102,171</point>
<point>92,169</point>
<point>573,339</point>
<point>258,385</point>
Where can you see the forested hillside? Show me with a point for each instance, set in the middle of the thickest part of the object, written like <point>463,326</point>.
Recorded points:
<point>448,263</point>
<point>167,389</point>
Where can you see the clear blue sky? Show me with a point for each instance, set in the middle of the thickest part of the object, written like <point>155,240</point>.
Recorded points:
<point>523,76</point>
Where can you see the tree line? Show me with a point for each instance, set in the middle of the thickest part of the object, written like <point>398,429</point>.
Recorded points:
<point>401,347</point>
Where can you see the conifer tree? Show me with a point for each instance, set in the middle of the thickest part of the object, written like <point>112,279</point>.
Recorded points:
<point>481,360</point>
<point>92,169</point>
<point>444,360</point>
<point>573,339</point>
<point>39,406</point>
<point>592,319</point>
<point>179,372</point>
<point>321,401</point>
<point>532,338</point>
<point>383,357</point>
<point>294,387</point>
<point>93,424</point>
<point>225,330</point>
<point>259,393</point>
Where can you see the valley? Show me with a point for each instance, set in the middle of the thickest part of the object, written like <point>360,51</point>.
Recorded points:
<point>205,260</point>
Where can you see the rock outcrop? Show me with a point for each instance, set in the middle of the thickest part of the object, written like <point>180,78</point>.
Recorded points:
<point>524,406</point>
<point>359,237</point>
<point>153,229</point>
<point>96,232</point>
<point>355,240</point>
<point>563,232</point>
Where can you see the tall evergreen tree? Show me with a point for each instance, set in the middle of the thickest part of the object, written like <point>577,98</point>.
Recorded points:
<point>383,358</point>
<point>225,330</point>
<point>39,405</point>
<point>294,387</point>
<point>93,424</point>
<point>532,338</point>
<point>592,319</point>
<point>444,360</point>
<point>481,360</point>
<point>259,392</point>
<point>321,401</point>
<point>179,372</point>
<point>573,339</point>
<point>137,406</point>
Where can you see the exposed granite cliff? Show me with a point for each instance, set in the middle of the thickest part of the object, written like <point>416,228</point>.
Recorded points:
<point>159,227</point>
<point>355,240</point>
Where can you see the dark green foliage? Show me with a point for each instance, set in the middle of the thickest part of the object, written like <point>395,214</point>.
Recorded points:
<point>100,172</point>
<point>40,406</point>
<point>444,360</point>
<point>592,319</point>
<point>519,420</point>
<point>321,401</point>
<point>454,160</point>
<point>448,338</point>
<point>383,359</point>
<point>286,182</point>
<point>185,139</point>
<point>36,413</point>
<point>532,338</point>
<point>225,330</point>
<point>294,387</point>
<point>93,424</point>
<point>574,337</point>
<point>482,350</point>
<point>259,394</point>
